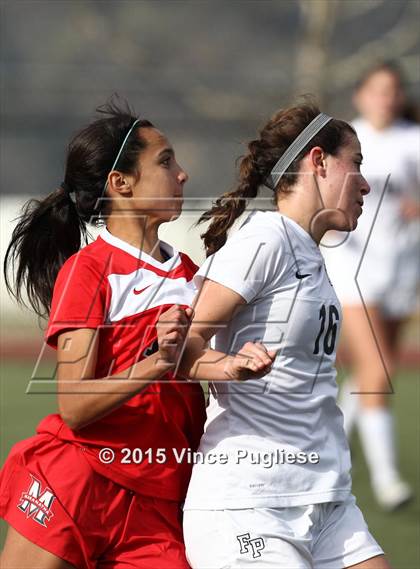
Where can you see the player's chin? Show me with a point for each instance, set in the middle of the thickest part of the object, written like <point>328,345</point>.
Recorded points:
<point>349,220</point>
<point>355,218</point>
<point>173,212</point>
<point>350,225</point>
<point>340,220</point>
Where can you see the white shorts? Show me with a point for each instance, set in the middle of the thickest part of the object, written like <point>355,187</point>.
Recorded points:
<point>321,536</point>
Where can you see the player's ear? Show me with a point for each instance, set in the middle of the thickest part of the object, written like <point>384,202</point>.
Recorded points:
<point>317,161</point>
<point>119,182</point>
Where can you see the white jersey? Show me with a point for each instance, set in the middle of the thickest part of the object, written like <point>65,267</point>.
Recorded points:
<point>276,441</point>
<point>384,244</point>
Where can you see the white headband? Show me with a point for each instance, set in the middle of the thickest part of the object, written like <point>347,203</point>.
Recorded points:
<point>295,148</point>
<point>119,152</point>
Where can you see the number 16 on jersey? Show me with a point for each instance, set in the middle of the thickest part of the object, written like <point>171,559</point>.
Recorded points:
<point>331,332</point>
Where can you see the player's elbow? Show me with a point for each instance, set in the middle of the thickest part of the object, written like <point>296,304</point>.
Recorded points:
<point>72,421</point>
<point>71,415</point>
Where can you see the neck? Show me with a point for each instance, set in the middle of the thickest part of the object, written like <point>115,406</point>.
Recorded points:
<point>140,232</point>
<point>303,207</point>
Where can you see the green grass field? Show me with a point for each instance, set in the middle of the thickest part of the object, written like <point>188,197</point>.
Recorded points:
<point>398,533</point>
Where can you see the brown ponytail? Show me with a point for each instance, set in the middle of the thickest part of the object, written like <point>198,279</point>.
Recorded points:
<point>275,137</point>
<point>231,205</point>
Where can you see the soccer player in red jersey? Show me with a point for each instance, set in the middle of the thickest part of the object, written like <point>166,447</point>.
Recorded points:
<point>102,482</point>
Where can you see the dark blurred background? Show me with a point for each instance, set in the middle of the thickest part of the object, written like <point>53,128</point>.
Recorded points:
<point>207,72</point>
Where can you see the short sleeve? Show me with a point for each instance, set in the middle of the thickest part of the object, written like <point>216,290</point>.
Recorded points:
<point>189,264</point>
<point>249,262</point>
<point>79,297</point>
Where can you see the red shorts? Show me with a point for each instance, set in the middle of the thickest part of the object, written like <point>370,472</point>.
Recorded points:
<point>50,494</point>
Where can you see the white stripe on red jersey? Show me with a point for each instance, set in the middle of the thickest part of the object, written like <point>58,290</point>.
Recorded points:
<point>120,291</point>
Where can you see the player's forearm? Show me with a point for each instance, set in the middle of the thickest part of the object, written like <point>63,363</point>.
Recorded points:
<point>84,401</point>
<point>201,363</point>
<point>211,366</point>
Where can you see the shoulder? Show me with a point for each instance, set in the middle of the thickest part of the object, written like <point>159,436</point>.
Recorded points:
<point>406,130</point>
<point>87,265</point>
<point>80,298</point>
<point>251,257</point>
<point>261,227</point>
<point>406,136</point>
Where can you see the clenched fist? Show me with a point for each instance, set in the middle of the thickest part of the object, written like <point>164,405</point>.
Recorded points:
<point>172,328</point>
<point>252,362</point>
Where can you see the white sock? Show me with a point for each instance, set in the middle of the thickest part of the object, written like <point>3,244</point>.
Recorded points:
<point>376,430</point>
<point>348,402</point>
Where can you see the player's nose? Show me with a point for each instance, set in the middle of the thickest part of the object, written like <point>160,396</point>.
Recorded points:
<point>182,176</point>
<point>365,189</point>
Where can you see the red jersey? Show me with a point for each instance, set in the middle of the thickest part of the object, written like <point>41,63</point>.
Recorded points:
<point>119,290</point>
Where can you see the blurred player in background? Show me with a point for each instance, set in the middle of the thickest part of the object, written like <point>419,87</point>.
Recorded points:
<point>280,494</point>
<point>388,277</point>
<point>100,485</point>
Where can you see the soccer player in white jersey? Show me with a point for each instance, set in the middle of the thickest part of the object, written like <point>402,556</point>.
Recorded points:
<point>273,488</point>
<point>383,254</point>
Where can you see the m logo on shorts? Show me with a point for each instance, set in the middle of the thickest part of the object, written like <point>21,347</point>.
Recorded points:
<point>37,503</point>
<point>246,543</point>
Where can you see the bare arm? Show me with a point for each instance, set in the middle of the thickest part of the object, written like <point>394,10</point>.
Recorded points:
<point>83,400</point>
<point>215,307</point>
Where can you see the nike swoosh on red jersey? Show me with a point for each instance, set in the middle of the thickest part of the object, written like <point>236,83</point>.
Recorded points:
<point>141,290</point>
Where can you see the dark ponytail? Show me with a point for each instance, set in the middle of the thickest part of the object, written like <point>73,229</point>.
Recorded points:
<point>263,153</point>
<point>50,230</point>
